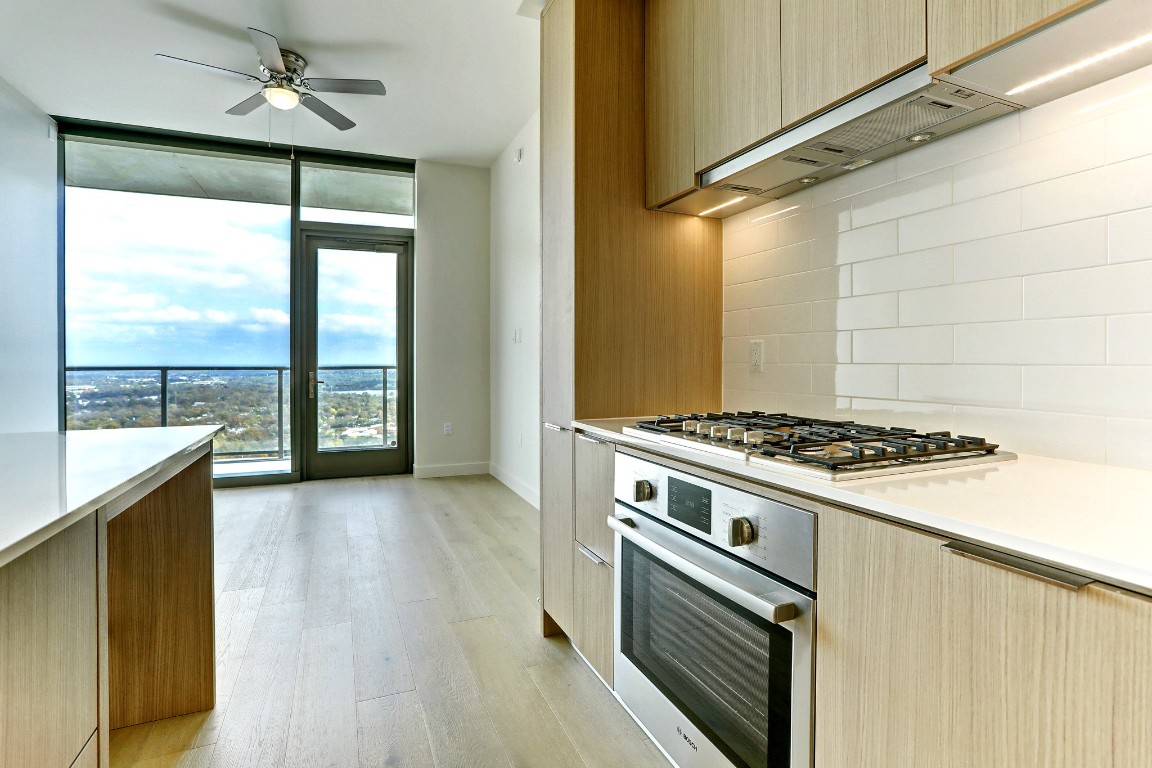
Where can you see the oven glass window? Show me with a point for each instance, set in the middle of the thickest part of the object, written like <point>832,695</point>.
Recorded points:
<point>726,669</point>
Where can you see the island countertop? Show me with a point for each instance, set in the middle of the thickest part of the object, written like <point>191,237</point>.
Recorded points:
<point>49,480</point>
<point>1089,518</point>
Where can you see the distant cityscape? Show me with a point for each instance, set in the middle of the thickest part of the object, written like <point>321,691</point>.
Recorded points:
<point>356,408</point>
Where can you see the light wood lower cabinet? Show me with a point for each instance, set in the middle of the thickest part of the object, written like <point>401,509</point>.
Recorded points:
<point>48,635</point>
<point>593,468</point>
<point>592,612</point>
<point>90,756</point>
<point>556,530</point>
<point>925,658</point>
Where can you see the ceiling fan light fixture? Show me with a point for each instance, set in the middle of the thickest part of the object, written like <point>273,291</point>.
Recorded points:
<point>281,96</point>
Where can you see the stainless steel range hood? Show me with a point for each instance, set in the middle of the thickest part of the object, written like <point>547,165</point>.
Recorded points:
<point>1094,44</point>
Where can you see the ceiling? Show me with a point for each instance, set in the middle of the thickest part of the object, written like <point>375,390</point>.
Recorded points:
<point>462,75</point>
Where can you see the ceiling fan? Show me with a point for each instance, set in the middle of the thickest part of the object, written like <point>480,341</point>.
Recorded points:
<point>284,85</point>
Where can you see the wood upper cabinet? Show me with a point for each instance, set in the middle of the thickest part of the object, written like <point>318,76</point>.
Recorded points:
<point>668,99</point>
<point>594,465</point>
<point>959,30</point>
<point>832,49</point>
<point>736,76</point>
<point>928,658</point>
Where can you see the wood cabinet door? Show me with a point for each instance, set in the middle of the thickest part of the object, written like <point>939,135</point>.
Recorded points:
<point>1045,677</point>
<point>959,30</point>
<point>594,464</point>
<point>832,49</point>
<point>556,528</point>
<point>592,608</point>
<point>879,631</point>
<point>670,170</point>
<point>736,75</point>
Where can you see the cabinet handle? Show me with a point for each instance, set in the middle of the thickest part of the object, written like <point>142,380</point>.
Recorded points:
<point>1045,573</point>
<point>554,427</point>
<point>582,436</point>
<point>590,554</point>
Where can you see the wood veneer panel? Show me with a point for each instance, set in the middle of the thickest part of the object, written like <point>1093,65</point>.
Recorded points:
<point>160,622</point>
<point>48,636</point>
<point>592,602</point>
<point>556,529</point>
<point>669,96</point>
<point>594,463</point>
<point>833,49</point>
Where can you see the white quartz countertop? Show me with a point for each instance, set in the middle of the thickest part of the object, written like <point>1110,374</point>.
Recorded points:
<point>1089,518</point>
<point>48,480</point>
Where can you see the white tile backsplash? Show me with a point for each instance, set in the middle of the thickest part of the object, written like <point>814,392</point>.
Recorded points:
<point>997,282</point>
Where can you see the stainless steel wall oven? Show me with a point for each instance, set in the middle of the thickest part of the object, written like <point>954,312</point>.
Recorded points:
<point>714,618</point>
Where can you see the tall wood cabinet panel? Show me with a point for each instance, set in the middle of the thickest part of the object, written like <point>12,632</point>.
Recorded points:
<point>48,637</point>
<point>879,631</point>
<point>595,462</point>
<point>832,49</point>
<point>668,99</point>
<point>556,529</point>
<point>960,30</point>
<point>736,75</point>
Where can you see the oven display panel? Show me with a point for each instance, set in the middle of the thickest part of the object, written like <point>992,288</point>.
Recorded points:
<point>690,504</point>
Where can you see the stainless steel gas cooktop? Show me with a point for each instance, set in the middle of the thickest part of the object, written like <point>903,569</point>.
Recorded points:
<point>833,450</point>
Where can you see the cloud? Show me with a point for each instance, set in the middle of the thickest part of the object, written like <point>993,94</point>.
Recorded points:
<point>170,314</point>
<point>273,316</point>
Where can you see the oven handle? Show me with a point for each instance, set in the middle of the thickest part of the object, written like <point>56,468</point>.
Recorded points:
<point>761,605</point>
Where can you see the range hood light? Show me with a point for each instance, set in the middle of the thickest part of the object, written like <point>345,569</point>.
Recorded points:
<point>774,213</point>
<point>920,138</point>
<point>723,205</point>
<point>808,180</point>
<point>1102,56</point>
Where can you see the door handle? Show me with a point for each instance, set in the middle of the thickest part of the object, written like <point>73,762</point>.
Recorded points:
<point>312,382</point>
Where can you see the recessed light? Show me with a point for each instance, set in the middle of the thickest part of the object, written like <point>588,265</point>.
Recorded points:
<point>808,180</point>
<point>920,138</point>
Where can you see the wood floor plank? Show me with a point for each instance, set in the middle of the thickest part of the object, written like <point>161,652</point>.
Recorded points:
<point>236,613</point>
<point>602,732</point>
<point>288,580</point>
<point>529,730</point>
<point>124,743</point>
<point>327,601</point>
<point>380,657</point>
<point>391,732</point>
<point>459,728</point>
<point>362,520</point>
<point>399,513</point>
<point>200,757</point>
<point>255,561</point>
<point>521,567</point>
<point>255,727</point>
<point>323,729</point>
<point>458,599</point>
<point>176,735</point>
<point>410,581</point>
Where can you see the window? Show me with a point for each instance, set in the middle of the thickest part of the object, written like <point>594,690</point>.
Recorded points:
<point>343,195</point>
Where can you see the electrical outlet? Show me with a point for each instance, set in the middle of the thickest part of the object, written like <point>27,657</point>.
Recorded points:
<point>447,427</point>
<point>756,355</point>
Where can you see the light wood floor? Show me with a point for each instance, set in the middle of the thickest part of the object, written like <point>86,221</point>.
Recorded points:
<point>387,622</point>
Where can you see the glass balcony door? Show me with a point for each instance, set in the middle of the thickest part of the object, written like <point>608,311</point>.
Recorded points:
<point>355,331</point>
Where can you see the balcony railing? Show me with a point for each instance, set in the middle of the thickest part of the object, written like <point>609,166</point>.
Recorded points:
<point>252,401</point>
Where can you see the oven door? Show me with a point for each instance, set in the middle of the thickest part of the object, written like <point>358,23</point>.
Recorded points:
<point>712,656</point>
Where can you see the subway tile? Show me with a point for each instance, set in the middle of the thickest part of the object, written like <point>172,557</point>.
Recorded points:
<point>748,400</point>
<point>816,406</point>
<point>736,376</point>
<point>1128,134</point>
<point>881,381</point>
<point>782,377</point>
<point>742,242</point>
<point>973,142</point>
<point>1130,236</point>
<point>771,211</point>
<point>855,245</point>
<point>1111,97</point>
<point>780,261</point>
<point>786,318</point>
<point>963,303</point>
<point>1035,251</point>
<point>913,195</point>
<point>1115,289</point>
<point>920,269</point>
<point>736,349</point>
<point>1058,154</point>
<point>811,224</point>
<point>896,413</point>
<point>853,183</point>
<point>983,217</point>
<point>736,323</point>
<point>827,347</point>
<point>735,270</point>
<point>1075,341</point>
<point>807,286</point>
<point>855,312</point>
<point>925,344</point>
<point>1129,443</point>
<point>1130,340</point>
<point>1111,189</point>
<point>989,385</point>
<point>1059,435</point>
<point>1110,390</point>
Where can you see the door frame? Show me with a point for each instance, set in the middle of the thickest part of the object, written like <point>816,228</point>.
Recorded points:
<point>303,346</point>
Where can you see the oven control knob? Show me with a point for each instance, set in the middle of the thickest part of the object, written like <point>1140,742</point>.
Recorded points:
<point>644,491</point>
<point>740,532</point>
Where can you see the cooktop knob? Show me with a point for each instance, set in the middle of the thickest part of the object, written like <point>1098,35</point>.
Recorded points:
<point>644,491</point>
<point>740,532</point>
<point>736,433</point>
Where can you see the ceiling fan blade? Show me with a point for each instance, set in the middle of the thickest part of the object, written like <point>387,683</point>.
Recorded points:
<point>219,70</point>
<point>269,51</point>
<point>329,85</point>
<point>249,104</point>
<point>326,112</point>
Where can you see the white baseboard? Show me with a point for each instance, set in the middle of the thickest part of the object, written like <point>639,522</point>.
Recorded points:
<point>521,489</point>
<point>450,470</point>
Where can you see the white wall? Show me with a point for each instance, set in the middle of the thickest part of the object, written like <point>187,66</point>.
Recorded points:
<point>515,324</point>
<point>997,283</point>
<point>450,346</point>
<point>28,327</point>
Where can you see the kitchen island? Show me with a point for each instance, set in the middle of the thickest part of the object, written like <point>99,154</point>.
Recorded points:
<point>106,595</point>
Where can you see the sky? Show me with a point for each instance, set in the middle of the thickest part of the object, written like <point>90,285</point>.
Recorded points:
<point>162,280</point>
